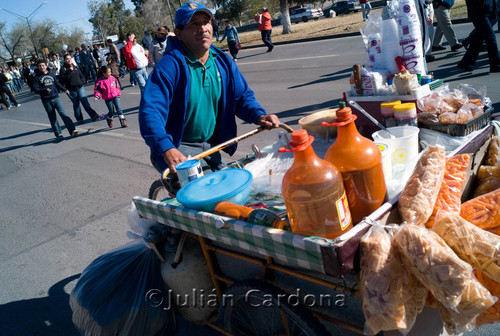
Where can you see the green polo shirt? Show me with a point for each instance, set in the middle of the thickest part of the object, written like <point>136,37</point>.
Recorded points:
<point>204,95</point>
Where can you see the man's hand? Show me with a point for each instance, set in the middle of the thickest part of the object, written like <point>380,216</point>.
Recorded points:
<point>67,92</point>
<point>269,121</point>
<point>173,157</point>
<point>48,90</point>
<point>96,98</point>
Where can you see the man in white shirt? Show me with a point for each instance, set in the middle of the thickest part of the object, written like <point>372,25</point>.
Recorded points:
<point>136,60</point>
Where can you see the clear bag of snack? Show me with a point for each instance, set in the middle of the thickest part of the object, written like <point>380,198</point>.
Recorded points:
<point>433,263</point>
<point>464,114</point>
<point>448,118</point>
<point>428,117</point>
<point>490,184</point>
<point>429,103</point>
<point>450,191</point>
<point>492,314</point>
<point>483,211</point>
<point>476,246</point>
<point>488,171</point>
<point>478,96</point>
<point>414,296</point>
<point>475,300</point>
<point>493,155</point>
<point>381,282</point>
<point>421,190</point>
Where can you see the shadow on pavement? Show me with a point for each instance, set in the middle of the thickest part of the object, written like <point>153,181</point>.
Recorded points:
<point>47,316</point>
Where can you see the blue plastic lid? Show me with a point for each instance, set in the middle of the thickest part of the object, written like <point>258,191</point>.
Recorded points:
<point>187,164</point>
<point>214,188</point>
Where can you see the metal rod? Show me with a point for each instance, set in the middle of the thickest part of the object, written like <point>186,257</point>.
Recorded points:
<point>210,265</point>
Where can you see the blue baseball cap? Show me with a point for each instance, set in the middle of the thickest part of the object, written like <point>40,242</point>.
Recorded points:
<point>184,14</point>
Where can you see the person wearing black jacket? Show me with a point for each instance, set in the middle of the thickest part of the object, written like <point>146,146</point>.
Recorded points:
<point>73,80</point>
<point>4,90</point>
<point>46,85</point>
<point>483,14</point>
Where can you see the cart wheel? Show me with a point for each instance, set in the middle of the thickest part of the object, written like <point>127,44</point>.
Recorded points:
<point>158,192</point>
<point>253,307</point>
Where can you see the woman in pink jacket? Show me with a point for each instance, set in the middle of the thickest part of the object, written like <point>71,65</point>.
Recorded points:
<point>263,18</point>
<point>108,88</point>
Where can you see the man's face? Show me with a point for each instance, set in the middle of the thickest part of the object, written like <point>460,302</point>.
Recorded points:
<point>67,60</point>
<point>42,67</point>
<point>197,34</point>
<point>84,47</point>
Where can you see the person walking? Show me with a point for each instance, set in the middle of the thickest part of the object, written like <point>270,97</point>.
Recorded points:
<point>233,39</point>
<point>54,65</point>
<point>28,75</point>
<point>263,18</point>
<point>365,8</point>
<point>87,61</point>
<point>136,60</point>
<point>215,27</point>
<point>444,26</point>
<point>123,66</point>
<point>73,80</point>
<point>107,88</point>
<point>157,46</point>
<point>194,95</point>
<point>16,78</point>
<point>113,51</point>
<point>5,91</point>
<point>482,17</point>
<point>146,39</point>
<point>115,69</point>
<point>46,84</point>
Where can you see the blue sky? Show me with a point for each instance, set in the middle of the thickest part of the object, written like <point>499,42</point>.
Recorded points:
<point>67,13</point>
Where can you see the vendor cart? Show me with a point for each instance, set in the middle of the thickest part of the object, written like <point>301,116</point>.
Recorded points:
<point>269,281</point>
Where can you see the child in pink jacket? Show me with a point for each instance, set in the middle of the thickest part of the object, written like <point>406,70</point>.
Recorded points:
<point>108,88</point>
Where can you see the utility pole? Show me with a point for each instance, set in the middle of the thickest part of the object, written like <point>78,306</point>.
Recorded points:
<point>28,22</point>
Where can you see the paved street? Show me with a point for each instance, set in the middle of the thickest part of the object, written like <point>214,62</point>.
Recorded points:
<point>64,203</point>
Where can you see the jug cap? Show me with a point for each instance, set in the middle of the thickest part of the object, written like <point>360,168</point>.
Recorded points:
<point>344,116</point>
<point>300,141</point>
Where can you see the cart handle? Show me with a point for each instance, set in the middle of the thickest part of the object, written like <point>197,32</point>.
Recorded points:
<point>225,145</point>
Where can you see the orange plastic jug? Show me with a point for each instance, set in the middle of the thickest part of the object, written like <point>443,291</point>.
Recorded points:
<point>360,162</point>
<point>313,192</point>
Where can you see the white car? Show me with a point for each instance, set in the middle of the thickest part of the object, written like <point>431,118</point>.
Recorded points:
<point>305,14</point>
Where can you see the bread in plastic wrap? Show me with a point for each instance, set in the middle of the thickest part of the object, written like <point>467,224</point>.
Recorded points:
<point>488,171</point>
<point>450,192</point>
<point>478,247</point>
<point>483,211</point>
<point>381,282</point>
<point>434,264</point>
<point>420,192</point>
<point>475,300</point>
<point>492,314</point>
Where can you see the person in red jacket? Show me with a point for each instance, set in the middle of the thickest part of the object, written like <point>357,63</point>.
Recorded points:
<point>265,27</point>
<point>136,60</point>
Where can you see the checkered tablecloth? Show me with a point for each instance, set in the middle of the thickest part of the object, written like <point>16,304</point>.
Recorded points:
<point>284,247</point>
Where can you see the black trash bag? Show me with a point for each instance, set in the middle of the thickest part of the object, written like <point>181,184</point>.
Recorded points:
<point>122,293</point>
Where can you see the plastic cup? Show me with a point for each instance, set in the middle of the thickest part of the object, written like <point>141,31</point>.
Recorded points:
<point>188,170</point>
<point>404,147</point>
<point>385,149</point>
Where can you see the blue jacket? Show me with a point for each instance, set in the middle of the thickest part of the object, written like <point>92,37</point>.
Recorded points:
<point>164,101</point>
<point>42,82</point>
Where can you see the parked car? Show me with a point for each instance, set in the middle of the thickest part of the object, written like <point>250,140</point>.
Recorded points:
<point>305,14</point>
<point>343,7</point>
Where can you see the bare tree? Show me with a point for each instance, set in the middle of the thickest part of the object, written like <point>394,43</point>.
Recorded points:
<point>11,41</point>
<point>156,13</point>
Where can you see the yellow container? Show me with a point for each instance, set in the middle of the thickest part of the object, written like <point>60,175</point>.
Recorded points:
<point>387,111</point>
<point>405,114</point>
